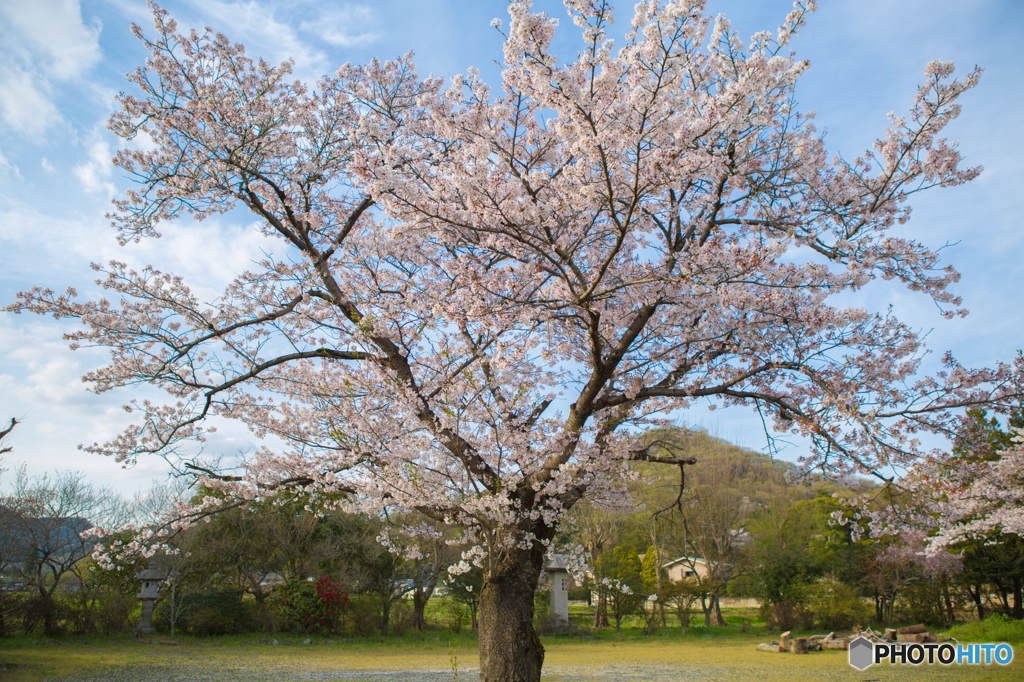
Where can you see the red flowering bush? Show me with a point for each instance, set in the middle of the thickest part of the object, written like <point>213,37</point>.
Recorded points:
<point>309,607</point>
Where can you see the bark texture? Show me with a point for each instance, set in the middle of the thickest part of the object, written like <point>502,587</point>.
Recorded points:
<point>510,650</point>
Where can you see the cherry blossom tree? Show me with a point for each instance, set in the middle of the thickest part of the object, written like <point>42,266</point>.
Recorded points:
<point>481,295</point>
<point>906,561</point>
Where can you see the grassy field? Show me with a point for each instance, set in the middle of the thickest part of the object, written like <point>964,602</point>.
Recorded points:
<point>621,658</point>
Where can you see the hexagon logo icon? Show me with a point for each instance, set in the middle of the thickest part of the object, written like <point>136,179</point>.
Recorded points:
<point>862,653</point>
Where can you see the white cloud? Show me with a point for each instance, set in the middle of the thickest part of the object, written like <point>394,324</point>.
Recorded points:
<point>94,174</point>
<point>54,30</point>
<point>25,102</point>
<point>46,165</point>
<point>44,41</point>
<point>255,26</point>
<point>343,26</point>
<point>6,166</point>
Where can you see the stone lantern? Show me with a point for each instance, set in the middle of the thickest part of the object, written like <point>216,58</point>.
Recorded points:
<point>559,572</point>
<point>151,579</point>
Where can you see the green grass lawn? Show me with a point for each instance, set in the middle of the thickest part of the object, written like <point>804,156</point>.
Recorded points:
<point>619,657</point>
<point>583,655</point>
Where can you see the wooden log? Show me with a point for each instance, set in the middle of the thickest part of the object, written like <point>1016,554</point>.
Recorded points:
<point>890,634</point>
<point>768,647</point>
<point>799,646</point>
<point>785,638</point>
<point>911,639</point>
<point>836,644</point>
<point>912,629</point>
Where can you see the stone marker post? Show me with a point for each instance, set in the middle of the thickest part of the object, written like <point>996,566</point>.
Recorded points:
<point>149,596</point>
<point>559,573</point>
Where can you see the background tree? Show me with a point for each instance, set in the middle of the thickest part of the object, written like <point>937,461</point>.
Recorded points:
<point>628,233</point>
<point>596,530</point>
<point>713,510</point>
<point>4,434</point>
<point>54,539</point>
<point>466,588</point>
<point>781,565</point>
<point>15,511</point>
<point>904,563</point>
<point>970,501</point>
<point>619,570</point>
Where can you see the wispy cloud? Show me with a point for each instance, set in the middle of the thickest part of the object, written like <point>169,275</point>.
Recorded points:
<point>256,26</point>
<point>44,42</point>
<point>25,104</point>
<point>344,26</point>
<point>54,31</point>
<point>94,173</point>
<point>7,167</point>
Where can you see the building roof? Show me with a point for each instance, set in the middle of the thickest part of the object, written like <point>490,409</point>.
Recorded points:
<point>689,560</point>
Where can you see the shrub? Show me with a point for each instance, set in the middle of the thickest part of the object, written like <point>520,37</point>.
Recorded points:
<point>104,612</point>
<point>363,614</point>
<point>457,615</point>
<point>996,628</point>
<point>922,603</point>
<point>307,607</point>
<point>46,614</point>
<point>210,614</point>
<point>834,605</point>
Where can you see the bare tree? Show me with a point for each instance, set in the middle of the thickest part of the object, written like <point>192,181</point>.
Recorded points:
<point>53,538</point>
<point>4,433</point>
<point>597,528</point>
<point>713,508</point>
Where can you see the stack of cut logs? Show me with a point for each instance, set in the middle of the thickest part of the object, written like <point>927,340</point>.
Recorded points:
<point>801,645</point>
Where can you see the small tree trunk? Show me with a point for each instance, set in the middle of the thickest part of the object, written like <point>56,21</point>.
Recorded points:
<point>266,621</point>
<point>510,650</point>
<point>1016,589</point>
<point>385,615</point>
<point>601,612</point>
<point>684,618</point>
<point>49,615</point>
<point>718,611</point>
<point>975,591</point>
<point>947,600</point>
<point>1004,596</point>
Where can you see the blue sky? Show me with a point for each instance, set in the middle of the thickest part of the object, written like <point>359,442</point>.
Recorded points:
<point>63,61</point>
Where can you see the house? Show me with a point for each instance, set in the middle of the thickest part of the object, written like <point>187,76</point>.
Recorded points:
<point>686,568</point>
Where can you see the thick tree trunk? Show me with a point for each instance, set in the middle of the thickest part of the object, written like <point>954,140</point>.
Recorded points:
<point>419,610</point>
<point>266,621</point>
<point>510,650</point>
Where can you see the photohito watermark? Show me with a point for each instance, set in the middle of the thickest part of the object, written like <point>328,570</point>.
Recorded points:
<point>864,653</point>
